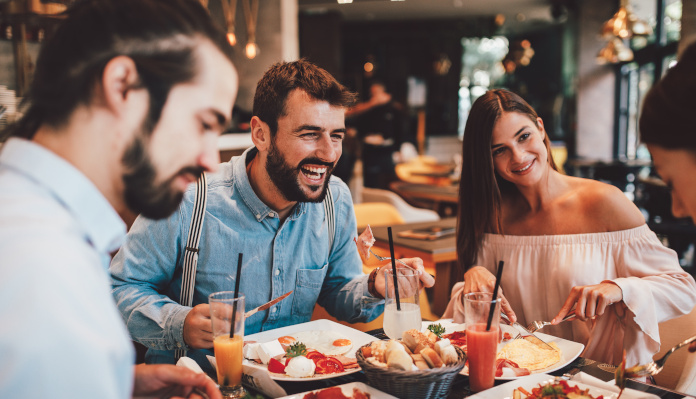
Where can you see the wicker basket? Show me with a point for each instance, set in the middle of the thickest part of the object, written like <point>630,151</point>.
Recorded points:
<point>421,384</point>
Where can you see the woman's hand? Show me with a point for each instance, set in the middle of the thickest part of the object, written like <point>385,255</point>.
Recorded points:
<point>479,279</point>
<point>590,301</point>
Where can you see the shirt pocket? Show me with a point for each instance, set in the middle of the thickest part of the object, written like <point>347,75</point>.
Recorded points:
<point>307,288</point>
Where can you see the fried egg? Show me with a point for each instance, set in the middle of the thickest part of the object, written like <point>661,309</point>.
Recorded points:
<point>329,343</point>
<point>529,355</point>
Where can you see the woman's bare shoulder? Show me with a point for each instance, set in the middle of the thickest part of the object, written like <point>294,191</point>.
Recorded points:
<point>607,205</point>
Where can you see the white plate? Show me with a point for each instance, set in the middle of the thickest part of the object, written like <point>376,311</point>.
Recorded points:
<point>358,338</point>
<point>570,350</point>
<point>347,390</point>
<point>504,391</point>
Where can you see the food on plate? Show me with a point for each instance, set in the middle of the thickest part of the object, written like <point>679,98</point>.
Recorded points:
<point>296,360</point>
<point>556,390</point>
<point>299,367</point>
<point>324,341</point>
<point>364,242</point>
<point>530,355</point>
<point>336,393</point>
<point>414,352</point>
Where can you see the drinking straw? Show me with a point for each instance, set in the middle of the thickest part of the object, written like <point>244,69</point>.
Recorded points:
<point>498,275</point>
<point>236,294</point>
<point>393,260</point>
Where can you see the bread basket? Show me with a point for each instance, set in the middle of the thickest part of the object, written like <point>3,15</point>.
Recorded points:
<point>420,384</point>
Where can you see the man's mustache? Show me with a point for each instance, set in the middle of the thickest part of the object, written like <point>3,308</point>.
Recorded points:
<point>316,161</point>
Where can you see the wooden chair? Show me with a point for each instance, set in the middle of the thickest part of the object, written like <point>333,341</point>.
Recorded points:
<point>375,214</point>
<point>680,370</point>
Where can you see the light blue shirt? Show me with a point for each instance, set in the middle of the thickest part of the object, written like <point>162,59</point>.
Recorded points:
<point>60,334</point>
<point>278,257</point>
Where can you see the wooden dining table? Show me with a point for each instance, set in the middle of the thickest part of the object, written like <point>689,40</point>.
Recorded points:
<point>460,386</point>
<point>439,255</point>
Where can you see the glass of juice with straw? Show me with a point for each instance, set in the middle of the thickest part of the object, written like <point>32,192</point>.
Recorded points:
<point>227,316</point>
<point>482,332</point>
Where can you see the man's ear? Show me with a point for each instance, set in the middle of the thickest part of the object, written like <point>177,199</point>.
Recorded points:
<point>119,81</point>
<point>260,134</point>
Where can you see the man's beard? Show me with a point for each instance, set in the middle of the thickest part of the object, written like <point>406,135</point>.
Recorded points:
<point>287,179</point>
<point>141,191</point>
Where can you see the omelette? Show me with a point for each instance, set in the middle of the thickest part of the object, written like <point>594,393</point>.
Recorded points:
<point>530,355</point>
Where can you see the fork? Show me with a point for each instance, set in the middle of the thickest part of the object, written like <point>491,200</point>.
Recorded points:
<point>655,366</point>
<point>383,258</point>
<point>538,324</point>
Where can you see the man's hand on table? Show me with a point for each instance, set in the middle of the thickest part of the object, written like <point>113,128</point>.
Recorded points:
<point>426,280</point>
<point>198,330</point>
<point>479,279</point>
<point>169,381</point>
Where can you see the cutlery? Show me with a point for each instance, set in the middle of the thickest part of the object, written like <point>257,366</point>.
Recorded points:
<point>383,258</point>
<point>267,305</point>
<point>538,325</point>
<point>655,366</point>
<point>523,331</point>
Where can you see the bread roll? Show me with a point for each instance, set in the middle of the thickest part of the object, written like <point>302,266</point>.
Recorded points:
<point>420,362</point>
<point>393,345</point>
<point>441,344</point>
<point>431,357</point>
<point>416,340</point>
<point>449,355</point>
<point>399,359</point>
<point>378,350</point>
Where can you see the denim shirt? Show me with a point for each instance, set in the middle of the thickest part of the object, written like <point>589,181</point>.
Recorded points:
<point>278,257</point>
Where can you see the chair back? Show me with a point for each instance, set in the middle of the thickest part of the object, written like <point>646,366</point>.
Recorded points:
<point>376,214</point>
<point>680,370</point>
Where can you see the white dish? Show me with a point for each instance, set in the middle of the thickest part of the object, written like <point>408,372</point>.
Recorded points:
<point>347,390</point>
<point>358,338</point>
<point>529,382</point>
<point>570,350</point>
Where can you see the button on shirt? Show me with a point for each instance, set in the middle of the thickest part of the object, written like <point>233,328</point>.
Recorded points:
<point>292,255</point>
<point>60,334</point>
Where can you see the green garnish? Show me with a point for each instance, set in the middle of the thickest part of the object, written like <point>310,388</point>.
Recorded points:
<point>296,349</point>
<point>437,329</point>
<point>619,376</point>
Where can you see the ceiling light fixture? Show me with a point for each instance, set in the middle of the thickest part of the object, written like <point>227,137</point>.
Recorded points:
<point>229,9</point>
<point>345,1</point>
<point>622,26</point>
<point>251,13</point>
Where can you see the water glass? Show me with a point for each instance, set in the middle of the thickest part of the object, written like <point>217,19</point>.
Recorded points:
<point>396,321</point>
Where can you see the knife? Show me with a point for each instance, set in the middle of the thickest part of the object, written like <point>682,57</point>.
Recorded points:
<point>524,332</point>
<point>267,305</point>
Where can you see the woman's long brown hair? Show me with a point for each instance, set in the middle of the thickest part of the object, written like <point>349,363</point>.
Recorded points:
<point>481,189</point>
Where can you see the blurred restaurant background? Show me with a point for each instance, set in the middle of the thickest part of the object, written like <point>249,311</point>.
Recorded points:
<point>418,65</point>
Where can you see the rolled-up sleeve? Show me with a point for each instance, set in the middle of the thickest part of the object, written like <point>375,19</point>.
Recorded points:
<point>344,292</point>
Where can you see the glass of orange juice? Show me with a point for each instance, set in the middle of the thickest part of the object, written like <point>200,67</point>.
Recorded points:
<point>227,315</point>
<point>482,342</point>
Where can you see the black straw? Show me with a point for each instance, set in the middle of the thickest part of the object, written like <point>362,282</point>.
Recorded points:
<point>393,260</point>
<point>236,294</point>
<point>498,275</point>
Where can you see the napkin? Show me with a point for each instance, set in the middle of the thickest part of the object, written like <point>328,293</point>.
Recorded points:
<point>190,364</point>
<point>257,378</point>
<point>611,386</point>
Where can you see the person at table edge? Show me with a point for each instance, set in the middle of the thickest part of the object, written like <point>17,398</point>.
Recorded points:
<point>570,245</point>
<point>667,128</point>
<point>126,104</point>
<point>265,204</point>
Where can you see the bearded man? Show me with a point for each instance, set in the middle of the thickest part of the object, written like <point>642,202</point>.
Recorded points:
<point>266,204</point>
<point>127,102</point>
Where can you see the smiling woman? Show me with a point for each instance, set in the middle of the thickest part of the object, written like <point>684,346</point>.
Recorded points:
<point>570,245</point>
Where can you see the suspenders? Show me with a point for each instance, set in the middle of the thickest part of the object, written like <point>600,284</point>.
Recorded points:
<point>188,280</point>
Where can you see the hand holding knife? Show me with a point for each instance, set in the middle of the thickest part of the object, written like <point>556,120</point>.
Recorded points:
<point>267,305</point>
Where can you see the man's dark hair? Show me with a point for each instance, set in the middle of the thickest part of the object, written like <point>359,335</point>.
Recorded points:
<point>282,78</point>
<point>159,35</point>
<point>667,119</point>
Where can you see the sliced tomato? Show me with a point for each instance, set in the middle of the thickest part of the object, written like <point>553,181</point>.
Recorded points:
<point>275,366</point>
<point>314,356</point>
<point>328,365</point>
